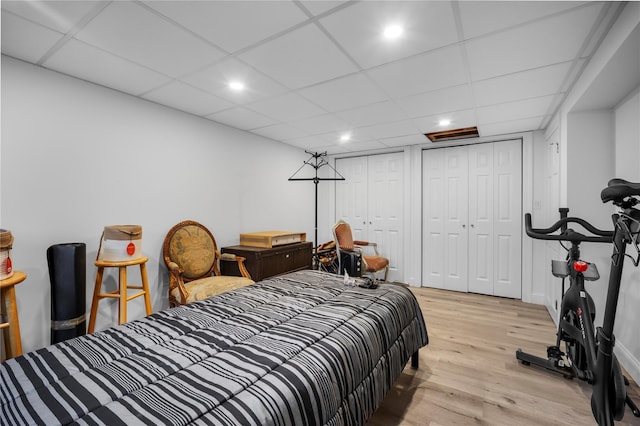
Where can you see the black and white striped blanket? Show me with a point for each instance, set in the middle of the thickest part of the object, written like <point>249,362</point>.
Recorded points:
<point>299,349</point>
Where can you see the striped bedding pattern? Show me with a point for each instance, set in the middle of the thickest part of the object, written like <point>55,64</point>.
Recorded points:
<point>298,349</point>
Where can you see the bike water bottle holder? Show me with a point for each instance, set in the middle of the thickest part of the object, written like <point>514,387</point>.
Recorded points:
<point>560,269</point>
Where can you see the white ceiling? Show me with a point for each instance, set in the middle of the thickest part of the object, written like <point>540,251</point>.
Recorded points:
<point>316,69</point>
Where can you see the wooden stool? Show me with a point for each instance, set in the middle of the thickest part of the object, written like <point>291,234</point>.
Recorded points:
<point>121,293</point>
<point>11,328</point>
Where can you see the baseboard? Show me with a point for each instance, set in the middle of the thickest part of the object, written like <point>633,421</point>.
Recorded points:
<point>630,363</point>
<point>536,299</point>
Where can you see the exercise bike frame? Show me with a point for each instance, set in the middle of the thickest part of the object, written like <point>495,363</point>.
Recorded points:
<point>576,300</point>
<point>600,369</point>
<point>626,231</point>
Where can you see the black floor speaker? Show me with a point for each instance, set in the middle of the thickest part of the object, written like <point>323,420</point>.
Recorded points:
<point>67,273</point>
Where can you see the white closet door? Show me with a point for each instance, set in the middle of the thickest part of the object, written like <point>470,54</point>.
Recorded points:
<point>472,218</point>
<point>481,203</point>
<point>385,209</point>
<point>445,212</point>
<point>456,219</point>
<point>370,199</point>
<point>433,213</point>
<point>351,194</point>
<point>507,224</point>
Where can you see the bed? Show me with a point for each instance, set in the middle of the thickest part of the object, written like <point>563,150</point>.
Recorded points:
<point>298,349</point>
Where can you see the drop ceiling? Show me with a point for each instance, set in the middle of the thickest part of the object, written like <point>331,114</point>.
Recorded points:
<point>316,70</point>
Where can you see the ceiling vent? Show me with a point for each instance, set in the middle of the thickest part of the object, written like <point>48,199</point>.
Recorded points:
<point>449,135</point>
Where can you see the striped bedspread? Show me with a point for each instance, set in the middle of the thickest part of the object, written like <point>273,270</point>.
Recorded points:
<point>299,349</point>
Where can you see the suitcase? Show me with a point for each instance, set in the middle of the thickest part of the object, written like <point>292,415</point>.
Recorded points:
<point>351,262</point>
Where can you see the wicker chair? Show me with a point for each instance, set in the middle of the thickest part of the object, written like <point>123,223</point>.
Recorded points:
<point>345,242</point>
<point>191,256</point>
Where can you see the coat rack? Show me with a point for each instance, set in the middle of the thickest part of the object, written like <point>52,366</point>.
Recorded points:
<point>316,161</point>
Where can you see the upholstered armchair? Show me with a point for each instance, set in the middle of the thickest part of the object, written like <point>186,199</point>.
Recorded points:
<point>191,255</point>
<point>345,242</point>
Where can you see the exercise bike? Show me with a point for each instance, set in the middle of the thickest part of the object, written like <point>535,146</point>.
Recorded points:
<point>588,352</point>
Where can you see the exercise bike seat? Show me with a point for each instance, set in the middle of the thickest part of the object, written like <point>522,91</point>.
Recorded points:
<point>560,269</point>
<point>619,189</point>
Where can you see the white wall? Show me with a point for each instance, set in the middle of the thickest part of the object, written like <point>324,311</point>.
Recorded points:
<point>539,218</point>
<point>590,165</point>
<point>598,124</point>
<point>627,166</point>
<point>627,137</point>
<point>77,157</point>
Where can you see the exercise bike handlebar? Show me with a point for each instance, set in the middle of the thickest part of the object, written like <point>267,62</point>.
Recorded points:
<point>599,236</point>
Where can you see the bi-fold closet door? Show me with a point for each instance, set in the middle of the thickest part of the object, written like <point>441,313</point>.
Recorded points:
<point>370,199</point>
<point>472,218</point>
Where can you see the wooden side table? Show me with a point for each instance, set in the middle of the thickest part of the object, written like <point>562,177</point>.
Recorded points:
<point>123,286</point>
<point>11,327</point>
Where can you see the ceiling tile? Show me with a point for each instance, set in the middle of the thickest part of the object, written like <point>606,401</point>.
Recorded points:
<point>533,45</point>
<point>344,93</point>
<point>458,120</point>
<point>389,130</point>
<point>215,79</point>
<point>317,7</point>
<point>241,118</point>
<point>534,107</point>
<point>300,58</point>
<point>26,40</point>
<point>355,135</point>
<point>414,139</point>
<point>483,17</point>
<point>186,98</point>
<point>279,132</point>
<point>135,33</point>
<point>381,112</point>
<point>427,25</point>
<point>361,146</point>
<point>88,63</point>
<point>333,150</point>
<point>320,124</point>
<point>288,107</point>
<point>443,100</point>
<point>308,142</point>
<point>58,15</point>
<point>232,25</point>
<point>522,85</point>
<point>329,149</point>
<point>506,127</point>
<point>429,71</point>
<point>315,144</point>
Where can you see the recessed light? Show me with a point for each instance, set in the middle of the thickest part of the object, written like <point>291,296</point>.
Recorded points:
<point>345,137</point>
<point>393,31</point>
<point>444,122</point>
<point>236,85</point>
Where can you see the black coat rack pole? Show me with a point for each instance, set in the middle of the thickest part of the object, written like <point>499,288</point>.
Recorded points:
<point>316,164</point>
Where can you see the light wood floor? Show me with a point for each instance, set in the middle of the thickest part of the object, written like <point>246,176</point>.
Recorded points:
<point>469,375</point>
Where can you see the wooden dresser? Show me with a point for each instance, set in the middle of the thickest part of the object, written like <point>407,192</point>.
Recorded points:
<point>266,262</point>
